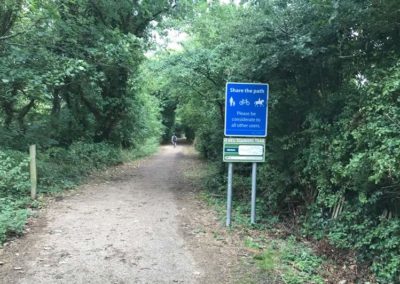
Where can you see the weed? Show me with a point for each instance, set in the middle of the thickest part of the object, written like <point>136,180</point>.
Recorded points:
<point>13,217</point>
<point>292,261</point>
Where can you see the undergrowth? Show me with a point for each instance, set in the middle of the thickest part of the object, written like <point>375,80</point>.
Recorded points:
<point>285,259</point>
<point>292,261</point>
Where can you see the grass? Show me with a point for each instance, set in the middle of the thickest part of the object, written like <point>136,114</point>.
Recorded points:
<point>150,147</point>
<point>279,260</point>
<point>293,261</point>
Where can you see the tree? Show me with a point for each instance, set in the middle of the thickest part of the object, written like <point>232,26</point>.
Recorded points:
<point>71,66</point>
<point>333,129</point>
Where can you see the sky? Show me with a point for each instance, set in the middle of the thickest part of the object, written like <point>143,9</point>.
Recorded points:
<point>236,2</point>
<point>174,38</point>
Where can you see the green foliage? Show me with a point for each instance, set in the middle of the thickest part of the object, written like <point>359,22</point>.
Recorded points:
<point>378,241</point>
<point>13,217</point>
<point>70,83</point>
<point>294,262</point>
<point>333,147</point>
<point>14,173</point>
<point>148,148</point>
<point>69,72</point>
<point>14,187</point>
<point>60,168</point>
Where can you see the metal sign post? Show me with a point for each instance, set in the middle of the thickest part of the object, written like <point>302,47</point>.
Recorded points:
<point>253,192</point>
<point>229,197</point>
<point>246,112</point>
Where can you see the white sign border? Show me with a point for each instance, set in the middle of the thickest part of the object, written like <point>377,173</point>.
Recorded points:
<point>226,107</point>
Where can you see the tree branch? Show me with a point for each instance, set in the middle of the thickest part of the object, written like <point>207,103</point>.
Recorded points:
<point>143,25</point>
<point>99,12</point>
<point>12,35</point>
<point>97,114</point>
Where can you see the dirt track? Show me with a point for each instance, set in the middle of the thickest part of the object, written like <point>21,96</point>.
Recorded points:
<point>142,223</point>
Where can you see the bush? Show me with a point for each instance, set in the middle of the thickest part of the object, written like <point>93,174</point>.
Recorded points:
<point>12,218</point>
<point>14,187</point>
<point>14,173</point>
<point>61,168</point>
<point>377,241</point>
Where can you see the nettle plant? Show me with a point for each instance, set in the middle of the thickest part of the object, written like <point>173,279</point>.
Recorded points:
<point>14,173</point>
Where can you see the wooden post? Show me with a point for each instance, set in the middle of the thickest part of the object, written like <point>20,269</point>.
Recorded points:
<point>32,153</point>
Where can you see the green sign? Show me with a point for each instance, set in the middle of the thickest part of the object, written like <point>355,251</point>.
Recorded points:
<point>244,150</point>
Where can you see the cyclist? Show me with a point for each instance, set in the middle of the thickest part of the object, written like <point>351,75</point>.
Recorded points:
<point>174,139</point>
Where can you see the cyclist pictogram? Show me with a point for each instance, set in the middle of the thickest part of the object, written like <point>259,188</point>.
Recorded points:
<point>244,102</point>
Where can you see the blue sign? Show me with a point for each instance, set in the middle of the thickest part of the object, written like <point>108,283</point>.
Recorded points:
<point>246,109</point>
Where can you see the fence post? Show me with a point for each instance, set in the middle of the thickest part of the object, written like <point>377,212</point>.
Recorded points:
<point>32,154</point>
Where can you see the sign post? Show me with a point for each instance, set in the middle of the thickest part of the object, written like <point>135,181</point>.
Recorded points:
<point>33,173</point>
<point>253,192</point>
<point>229,203</point>
<point>246,116</point>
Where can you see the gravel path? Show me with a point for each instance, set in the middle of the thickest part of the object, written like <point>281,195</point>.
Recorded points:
<point>132,226</point>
